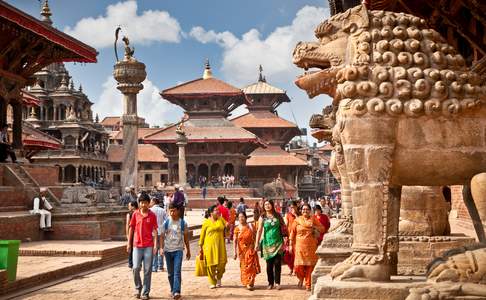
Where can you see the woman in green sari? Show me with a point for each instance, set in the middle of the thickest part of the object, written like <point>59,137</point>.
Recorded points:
<point>272,243</point>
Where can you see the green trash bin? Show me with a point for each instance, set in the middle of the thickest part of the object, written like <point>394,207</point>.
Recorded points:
<point>9,254</point>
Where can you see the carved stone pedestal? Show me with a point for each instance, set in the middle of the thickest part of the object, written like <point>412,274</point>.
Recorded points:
<point>418,251</point>
<point>396,289</point>
<point>335,248</point>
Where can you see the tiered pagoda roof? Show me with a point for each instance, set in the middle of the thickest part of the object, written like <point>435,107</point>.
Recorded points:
<point>34,139</point>
<point>22,33</point>
<point>263,121</point>
<point>207,102</point>
<point>146,153</point>
<point>273,156</point>
<point>206,97</point>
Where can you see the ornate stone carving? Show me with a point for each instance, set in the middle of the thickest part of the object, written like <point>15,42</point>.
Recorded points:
<point>458,273</point>
<point>274,190</point>
<point>407,112</point>
<point>397,66</point>
<point>423,212</point>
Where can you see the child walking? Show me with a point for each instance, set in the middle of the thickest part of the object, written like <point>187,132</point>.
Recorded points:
<point>174,235</point>
<point>143,229</point>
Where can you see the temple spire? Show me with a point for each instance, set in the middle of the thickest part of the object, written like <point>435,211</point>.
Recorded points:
<point>46,13</point>
<point>261,78</point>
<point>207,70</point>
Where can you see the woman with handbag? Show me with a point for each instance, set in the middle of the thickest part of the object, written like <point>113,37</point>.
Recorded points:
<point>272,225</point>
<point>211,243</point>
<point>304,235</point>
<point>244,241</point>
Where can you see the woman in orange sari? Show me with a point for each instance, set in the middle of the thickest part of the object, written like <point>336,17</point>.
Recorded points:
<point>290,217</point>
<point>303,236</point>
<point>244,240</point>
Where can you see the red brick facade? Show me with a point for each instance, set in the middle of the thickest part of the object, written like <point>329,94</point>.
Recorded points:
<point>20,227</point>
<point>88,226</point>
<point>45,175</point>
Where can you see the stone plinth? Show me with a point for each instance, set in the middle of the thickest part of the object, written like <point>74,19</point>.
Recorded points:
<point>100,224</point>
<point>335,248</point>
<point>396,289</point>
<point>418,251</point>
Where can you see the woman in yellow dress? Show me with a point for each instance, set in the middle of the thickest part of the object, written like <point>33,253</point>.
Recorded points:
<point>211,243</point>
<point>304,234</point>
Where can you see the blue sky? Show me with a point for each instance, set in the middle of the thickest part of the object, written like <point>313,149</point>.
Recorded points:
<point>174,37</point>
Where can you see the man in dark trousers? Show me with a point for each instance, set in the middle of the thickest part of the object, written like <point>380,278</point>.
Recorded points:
<point>5,146</point>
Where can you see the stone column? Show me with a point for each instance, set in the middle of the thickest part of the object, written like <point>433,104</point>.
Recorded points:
<point>54,115</point>
<point>62,174</point>
<point>181,143</point>
<point>76,178</point>
<point>129,73</point>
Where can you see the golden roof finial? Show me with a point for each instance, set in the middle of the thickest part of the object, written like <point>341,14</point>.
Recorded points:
<point>46,13</point>
<point>261,78</point>
<point>207,70</point>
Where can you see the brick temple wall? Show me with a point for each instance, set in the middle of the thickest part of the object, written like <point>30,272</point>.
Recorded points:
<point>20,227</point>
<point>12,199</point>
<point>44,175</point>
<point>88,226</point>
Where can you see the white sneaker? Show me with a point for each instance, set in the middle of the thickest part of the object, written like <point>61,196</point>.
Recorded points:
<point>219,283</point>
<point>212,286</point>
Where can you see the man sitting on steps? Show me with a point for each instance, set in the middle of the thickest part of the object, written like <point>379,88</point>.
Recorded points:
<point>42,207</point>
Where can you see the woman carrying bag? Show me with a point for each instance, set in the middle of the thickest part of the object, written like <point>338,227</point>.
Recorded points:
<point>274,232</point>
<point>212,246</point>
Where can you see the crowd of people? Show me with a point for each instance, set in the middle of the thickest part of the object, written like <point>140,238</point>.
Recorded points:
<point>287,236</point>
<point>225,181</point>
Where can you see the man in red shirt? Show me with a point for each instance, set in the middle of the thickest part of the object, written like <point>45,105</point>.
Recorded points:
<point>143,228</point>
<point>224,211</point>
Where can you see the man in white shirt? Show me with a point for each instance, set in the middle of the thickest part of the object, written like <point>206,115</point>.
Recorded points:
<point>158,260</point>
<point>42,207</point>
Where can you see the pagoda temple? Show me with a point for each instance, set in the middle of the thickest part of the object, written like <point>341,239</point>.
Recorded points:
<point>26,46</point>
<point>262,120</point>
<point>215,145</point>
<point>64,112</point>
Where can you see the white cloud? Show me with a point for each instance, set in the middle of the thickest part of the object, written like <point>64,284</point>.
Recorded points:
<point>150,26</point>
<point>224,39</point>
<point>151,106</point>
<point>241,56</point>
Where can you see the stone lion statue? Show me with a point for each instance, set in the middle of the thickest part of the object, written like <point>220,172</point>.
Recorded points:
<point>407,111</point>
<point>274,190</point>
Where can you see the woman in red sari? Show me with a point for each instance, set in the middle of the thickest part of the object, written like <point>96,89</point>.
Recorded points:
<point>303,237</point>
<point>244,241</point>
<point>324,220</point>
<point>290,217</point>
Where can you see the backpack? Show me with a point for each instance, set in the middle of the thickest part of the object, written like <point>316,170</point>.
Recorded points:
<point>166,226</point>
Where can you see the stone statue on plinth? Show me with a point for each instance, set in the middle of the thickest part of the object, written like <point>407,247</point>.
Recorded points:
<point>408,112</point>
<point>129,73</point>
